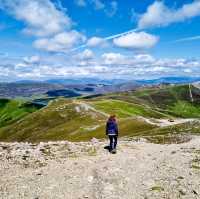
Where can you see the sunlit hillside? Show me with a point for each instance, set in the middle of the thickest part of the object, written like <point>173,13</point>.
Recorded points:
<point>139,113</point>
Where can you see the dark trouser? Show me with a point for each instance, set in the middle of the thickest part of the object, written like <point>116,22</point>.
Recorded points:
<point>113,141</point>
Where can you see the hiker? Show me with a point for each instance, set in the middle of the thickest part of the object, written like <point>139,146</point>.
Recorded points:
<point>112,132</point>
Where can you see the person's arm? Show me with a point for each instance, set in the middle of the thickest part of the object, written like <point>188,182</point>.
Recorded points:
<point>116,128</point>
<point>107,128</point>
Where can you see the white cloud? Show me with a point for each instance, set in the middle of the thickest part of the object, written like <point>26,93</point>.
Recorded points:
<point>32,60</point>
<point>60,42</point>
<point>48,22</point>
<point>106,39</point>
<point>85,55</point>
<point>125,60</point>
<point>158,14</point>
<point>113,58</point>
<point>40,16</point>
<point>96,41</point>
<point>21,65</point>
<point>144,58</point>
<point>134,40</point>
<point>187,70</point>
<point>109,65</point>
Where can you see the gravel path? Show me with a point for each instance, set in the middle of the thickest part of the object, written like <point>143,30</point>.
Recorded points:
<point>139,170</point>
<point>167,122</point>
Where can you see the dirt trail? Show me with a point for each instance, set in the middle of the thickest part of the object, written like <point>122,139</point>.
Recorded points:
<point>139,170</point>
<point>87,106</point>
<point>153,121</point>
<point>167,122</point>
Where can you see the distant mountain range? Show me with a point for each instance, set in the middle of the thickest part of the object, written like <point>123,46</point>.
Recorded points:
<point>170,80</point>
<point>94,81</point>
<point>30,89</point>
<point>83,86</point>
<point>86,81</point>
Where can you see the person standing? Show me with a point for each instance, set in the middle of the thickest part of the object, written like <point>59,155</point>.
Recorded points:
<point>112,132</point>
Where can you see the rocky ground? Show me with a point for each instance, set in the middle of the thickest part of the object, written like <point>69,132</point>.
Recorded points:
<point>139,170</point>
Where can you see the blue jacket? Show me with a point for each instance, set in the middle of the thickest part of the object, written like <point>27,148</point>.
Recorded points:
<point>111,127</point>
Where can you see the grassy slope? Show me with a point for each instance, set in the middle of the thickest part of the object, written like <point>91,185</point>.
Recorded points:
<point>61,120</point>
<point>125,109</point>
<point>173,100</point>
<point>53,122</point>
<point>171,134</point>
<point>188,127</point>
<point>13,110</point>
<point>127,127</point>
<point>169,101</point>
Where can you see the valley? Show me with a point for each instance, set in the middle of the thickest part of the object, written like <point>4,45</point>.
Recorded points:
<point>146,111</point>
<point>52,146</point>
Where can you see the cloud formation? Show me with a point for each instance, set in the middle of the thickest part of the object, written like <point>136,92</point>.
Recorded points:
<point>35,59</point>
<point>87,54</point>
<point>96,41</point>
<point>52,30</point>
<point>61,42</point>
<point>113,58</point>
<point>158,14</point>
<point>40,16</point>
<point>108,65</point>
<point>51,27</point>
<point>140,40</point>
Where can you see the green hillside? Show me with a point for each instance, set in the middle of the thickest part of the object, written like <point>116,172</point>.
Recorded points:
<point>66,119</point>
<point>13,110</point>
<point>173,100</point>
<point>173,134</point>
<point>82,119</point>
<point>125,109</point>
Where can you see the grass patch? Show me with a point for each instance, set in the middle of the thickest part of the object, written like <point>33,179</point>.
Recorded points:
<point>195,166</point>
<point>185,128</point>
<point>125,109</point>
<point>60,121</point>
<point>127,127</point>
<point>172,100</point>
<point>13,110</point>
<point>196,163</point>
<point>92,151</point>
<point>169,139</point>
<point>179,133</point>
<point>185,109</point>
<point>157,188</point>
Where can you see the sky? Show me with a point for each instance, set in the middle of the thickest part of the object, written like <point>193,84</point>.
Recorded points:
<point>104,39</point>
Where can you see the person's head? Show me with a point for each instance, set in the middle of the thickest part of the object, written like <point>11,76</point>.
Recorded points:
<point>112,117</point>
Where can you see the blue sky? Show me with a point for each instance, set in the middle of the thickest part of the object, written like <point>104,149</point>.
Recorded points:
<point>42,39</point>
